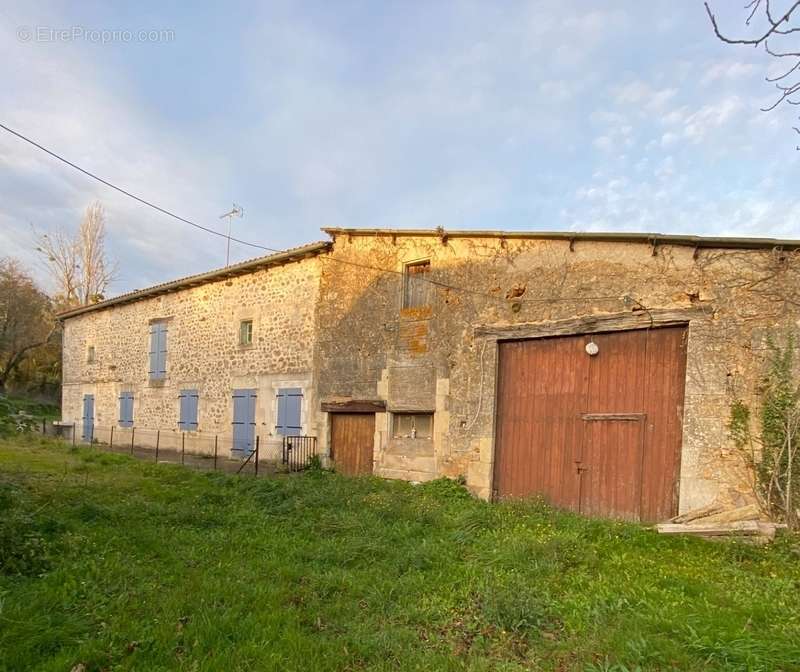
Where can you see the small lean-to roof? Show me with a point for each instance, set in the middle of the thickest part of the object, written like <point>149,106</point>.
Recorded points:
<point>242,268</point>
<point>648,238</point>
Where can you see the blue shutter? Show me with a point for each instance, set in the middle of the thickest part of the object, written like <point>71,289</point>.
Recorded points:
<point>126,409</point>
<point>188,419</point>
<point>162,350</point>
<point>158,350</point>
<point>154,331</point>
<point>192,402</point>
<point>88,418</point>
<point>280,422</point>
<point>290,401</point>
<point>183,417</point>
<point>244,420</point>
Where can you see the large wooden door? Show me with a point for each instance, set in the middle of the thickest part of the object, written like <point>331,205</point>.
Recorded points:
<point>599,434</point>
<point>352,441</point>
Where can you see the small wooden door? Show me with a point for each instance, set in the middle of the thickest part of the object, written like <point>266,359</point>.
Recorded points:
<point>244,421</point>
<point>610,465</point>
<point>88,418</point>
<point>352,441</point>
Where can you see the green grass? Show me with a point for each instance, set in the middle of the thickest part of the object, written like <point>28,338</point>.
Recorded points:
<point>123,565</point>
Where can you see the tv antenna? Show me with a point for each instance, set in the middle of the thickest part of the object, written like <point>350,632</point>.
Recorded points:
<point>236,211</point>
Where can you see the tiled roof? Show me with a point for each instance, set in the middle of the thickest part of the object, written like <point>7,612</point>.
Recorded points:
<point>286,256</point>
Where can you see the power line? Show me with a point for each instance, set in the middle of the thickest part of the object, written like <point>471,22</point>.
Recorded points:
<point>468,290</point>
<point>133,196</point>
<point>378,269</point>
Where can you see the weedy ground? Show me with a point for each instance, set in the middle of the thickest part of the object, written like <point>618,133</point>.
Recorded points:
<point>115,564</point>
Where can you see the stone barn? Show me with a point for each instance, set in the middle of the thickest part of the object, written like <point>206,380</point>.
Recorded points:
<point>596,370</point>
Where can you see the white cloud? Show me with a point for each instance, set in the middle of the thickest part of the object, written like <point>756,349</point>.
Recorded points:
<point>727,70</point>
<point>668,139</point>
<point>711,117</point>
<point>640,94</point>
<point>603,143</point>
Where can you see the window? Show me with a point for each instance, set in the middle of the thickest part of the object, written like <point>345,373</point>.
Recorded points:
<point>158,350</point>
<point>90,355</point>
<point>188,410</point>
<point>126,409</point>
<point>412,426</point>
<point>290,401</point>
<point>416,288</point>
<point>246,332</point>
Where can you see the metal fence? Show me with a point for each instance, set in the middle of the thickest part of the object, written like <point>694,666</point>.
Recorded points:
<point>212,452</point>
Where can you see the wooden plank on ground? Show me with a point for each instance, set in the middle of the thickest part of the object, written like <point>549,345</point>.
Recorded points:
<point>694,514</point>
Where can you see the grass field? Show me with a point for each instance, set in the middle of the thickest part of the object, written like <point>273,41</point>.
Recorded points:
<point>121,565</point>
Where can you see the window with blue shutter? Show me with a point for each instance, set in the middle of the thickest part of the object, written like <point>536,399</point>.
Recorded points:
<point>290,401</point>
<point>188,417</point>
<point>126,409</point>
<point>158,350</point>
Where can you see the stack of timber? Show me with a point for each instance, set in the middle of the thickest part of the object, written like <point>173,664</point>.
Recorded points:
<point>716,522</point>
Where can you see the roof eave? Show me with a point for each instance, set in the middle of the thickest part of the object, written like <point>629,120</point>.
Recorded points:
<point>647,238</point>
<point>288,256</point>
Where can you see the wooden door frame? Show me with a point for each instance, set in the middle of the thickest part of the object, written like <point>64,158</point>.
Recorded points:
<point>585,325</point>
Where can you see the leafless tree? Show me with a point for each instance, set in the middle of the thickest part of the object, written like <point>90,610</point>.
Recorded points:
<point>772,36</point>
<point>26,321</point>
<point>78,262</point>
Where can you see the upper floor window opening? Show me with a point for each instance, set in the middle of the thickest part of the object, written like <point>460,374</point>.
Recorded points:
<point>416,284</point>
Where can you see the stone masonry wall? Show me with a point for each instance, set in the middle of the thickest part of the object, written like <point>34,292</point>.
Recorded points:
<point>203,353</point>
<point>370,348</point>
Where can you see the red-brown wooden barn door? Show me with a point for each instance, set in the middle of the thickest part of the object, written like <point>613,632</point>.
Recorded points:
<point>631,449</point>
<point>352,441</point>
<point>613,417</point>
<point>618,414</point>
<point>540,387</point>
<point>663,402</point>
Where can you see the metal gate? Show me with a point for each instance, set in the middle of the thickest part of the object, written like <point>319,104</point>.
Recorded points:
<point>298,451</point>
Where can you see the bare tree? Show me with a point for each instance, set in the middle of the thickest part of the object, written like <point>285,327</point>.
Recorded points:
<point>78,262</point>
<point>775,26</point>
<point>26,321</point>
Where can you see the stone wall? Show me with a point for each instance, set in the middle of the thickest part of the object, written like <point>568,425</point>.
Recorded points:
<point>334,326</point>
<point>203,353</point>
<point>437,359</point>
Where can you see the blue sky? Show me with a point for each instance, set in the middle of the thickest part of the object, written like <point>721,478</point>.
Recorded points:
<point>559,114</point>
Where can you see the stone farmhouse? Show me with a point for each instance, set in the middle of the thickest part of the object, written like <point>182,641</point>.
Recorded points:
<point>596,370</point>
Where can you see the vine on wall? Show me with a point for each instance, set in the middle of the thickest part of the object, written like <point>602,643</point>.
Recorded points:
<point>772,450</point>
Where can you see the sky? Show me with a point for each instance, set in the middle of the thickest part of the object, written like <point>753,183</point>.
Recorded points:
<point>545,115</point>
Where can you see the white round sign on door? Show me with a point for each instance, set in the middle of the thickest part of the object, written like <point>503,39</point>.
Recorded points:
<point>592,349</point>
